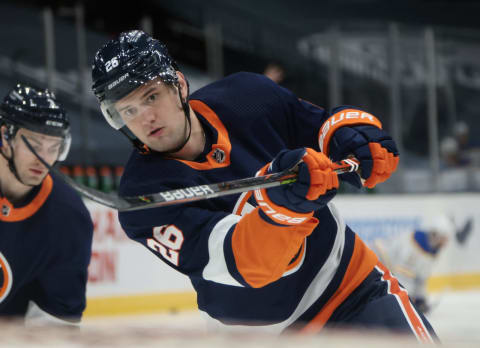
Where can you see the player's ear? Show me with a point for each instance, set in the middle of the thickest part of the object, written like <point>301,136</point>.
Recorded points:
<point>182,81</point>
<point>3,139</point>
<point>4,144</point>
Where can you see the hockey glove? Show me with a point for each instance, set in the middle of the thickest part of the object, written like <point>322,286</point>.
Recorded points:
<point>372,146</point>
<point>315,186</point>
<point>351,131</point>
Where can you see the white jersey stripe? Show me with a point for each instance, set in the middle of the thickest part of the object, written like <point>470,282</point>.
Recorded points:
<point>313,292</point>
<point>216,269</point>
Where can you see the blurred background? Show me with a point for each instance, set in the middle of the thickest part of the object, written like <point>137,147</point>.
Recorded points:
<point>413,64</point>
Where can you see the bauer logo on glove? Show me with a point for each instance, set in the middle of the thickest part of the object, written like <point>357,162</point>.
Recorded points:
<point>347,133</point>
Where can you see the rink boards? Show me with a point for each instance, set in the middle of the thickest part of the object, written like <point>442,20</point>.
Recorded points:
<point>124,277</point>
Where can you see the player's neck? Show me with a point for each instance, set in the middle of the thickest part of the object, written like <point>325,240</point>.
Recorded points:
<point>195,145</point>
<point>10,187</point>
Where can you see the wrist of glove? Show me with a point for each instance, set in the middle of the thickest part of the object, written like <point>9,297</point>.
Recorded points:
<point>315,186</point>
<point>372,146</point>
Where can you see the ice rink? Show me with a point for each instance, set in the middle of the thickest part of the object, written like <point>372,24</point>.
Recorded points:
<point>455,317</point>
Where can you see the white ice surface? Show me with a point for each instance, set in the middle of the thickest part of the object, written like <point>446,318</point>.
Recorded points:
<point>455,317</point>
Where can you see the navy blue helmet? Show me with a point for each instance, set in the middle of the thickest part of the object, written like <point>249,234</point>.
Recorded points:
<point>124,64</point>
<point>36,110</point>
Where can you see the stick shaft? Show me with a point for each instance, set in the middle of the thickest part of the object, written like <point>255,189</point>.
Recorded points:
<point>201,192</point>
<point>193,193</point>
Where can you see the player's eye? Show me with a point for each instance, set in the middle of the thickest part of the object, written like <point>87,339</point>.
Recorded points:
<point>130,112</point>
<point>152,97</point>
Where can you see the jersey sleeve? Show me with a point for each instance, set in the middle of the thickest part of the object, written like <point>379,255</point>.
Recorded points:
<point>207,244</point>
<point>304,120</point>
<point>60,290</point>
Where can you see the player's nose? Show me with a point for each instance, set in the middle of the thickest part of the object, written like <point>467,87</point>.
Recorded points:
<point>148,116</point>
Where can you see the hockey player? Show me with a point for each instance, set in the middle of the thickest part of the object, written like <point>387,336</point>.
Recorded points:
<point>45,229</point>
<point>271,260</point>
<point>411,256</point>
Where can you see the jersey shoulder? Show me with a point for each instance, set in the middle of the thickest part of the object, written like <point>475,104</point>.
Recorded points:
<point>66,196</point>
<point>239,79</point>
<point>248,103</point>
<point>243,88</point>
<point>69,208</point>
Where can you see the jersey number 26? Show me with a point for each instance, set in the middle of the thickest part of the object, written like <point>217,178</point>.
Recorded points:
<point>167,241</point>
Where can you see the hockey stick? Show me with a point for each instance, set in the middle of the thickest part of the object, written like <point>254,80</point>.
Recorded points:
<point>193,193</point>
<point>462,234</point>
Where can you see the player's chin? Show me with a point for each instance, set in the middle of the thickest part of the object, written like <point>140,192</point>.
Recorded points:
<point>164,146</point>
<point>34,180</point>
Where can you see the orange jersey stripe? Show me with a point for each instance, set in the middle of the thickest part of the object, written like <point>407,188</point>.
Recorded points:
<point>347,117</point>
<point>5,270</point>
<point>223,140</point>
<point>19,214</point>
<point>263,251</point>
<point>410,313</point>
<point>361,264</point>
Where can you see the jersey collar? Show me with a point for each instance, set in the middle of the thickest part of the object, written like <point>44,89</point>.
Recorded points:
<point>219,155</point>
<point>10,213</point>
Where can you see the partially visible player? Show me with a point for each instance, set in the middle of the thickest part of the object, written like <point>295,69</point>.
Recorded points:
<point>272,260</point>
<point>412,256</point>
<point>45,229</point>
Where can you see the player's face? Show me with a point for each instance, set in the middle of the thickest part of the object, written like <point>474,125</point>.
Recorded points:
<point>153,112</point>
<point>30,170</point>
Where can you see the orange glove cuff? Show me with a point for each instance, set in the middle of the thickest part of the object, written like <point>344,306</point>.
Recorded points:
<point>322,177</point>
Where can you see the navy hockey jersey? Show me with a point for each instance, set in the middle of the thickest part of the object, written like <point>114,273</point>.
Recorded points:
<point>45,248</point>
<point>246,271</point>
